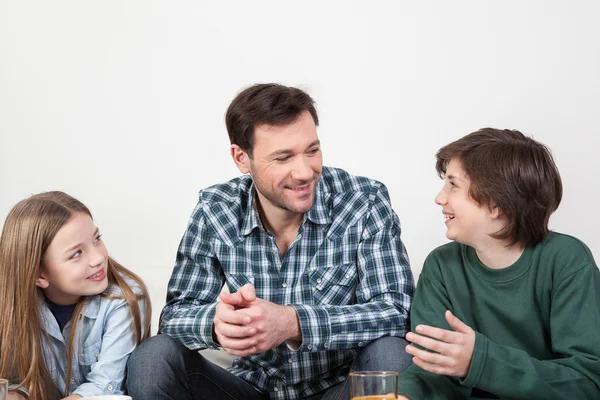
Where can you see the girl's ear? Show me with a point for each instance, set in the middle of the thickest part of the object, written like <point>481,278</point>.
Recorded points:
<point>41,281</point>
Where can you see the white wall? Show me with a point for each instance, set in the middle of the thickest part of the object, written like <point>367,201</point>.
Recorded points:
<point>121,103</point>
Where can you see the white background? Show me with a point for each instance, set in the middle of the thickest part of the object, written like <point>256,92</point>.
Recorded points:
<point>121,103</point>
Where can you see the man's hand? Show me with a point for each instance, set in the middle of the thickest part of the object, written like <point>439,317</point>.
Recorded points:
<point>245,324</point>
<point>452,350</point>
<point>230,326</point>
<point>401,397</point>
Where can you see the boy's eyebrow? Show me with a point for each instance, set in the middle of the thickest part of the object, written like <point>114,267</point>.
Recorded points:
<point>80,244</point>
<point>454,177</point>
<point>288,151</point>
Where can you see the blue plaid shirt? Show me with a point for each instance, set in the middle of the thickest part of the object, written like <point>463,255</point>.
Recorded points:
<point>347,275</point>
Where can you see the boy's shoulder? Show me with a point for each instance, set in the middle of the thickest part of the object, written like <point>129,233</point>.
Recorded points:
<point>565,252</point>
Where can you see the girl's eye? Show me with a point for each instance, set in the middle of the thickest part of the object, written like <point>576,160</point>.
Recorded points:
<point>98,238</point>
<point>76,254</point>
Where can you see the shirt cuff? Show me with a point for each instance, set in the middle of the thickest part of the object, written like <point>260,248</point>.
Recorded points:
<point>315,325</point>
<point>477,361</point>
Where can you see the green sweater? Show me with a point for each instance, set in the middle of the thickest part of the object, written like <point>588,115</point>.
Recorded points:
<point>537,322</point>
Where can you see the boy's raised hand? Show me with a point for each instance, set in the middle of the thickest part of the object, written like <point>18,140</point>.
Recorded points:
<point>451,351</point>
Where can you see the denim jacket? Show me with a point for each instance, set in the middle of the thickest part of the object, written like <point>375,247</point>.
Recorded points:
<point>107,339</point>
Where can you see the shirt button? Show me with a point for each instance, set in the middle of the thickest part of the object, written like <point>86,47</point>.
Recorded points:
<point>97,353</point>
<point>319,280</point>
<point>309,346</point>
<point>284,284</point>
<point>347,275</point>
<point>276,389</point>
<point>110,387</point>
<point>360,344</point>
<point>326,345</point>
<point>290,360</point>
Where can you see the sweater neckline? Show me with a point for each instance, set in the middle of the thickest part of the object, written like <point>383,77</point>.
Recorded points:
<point>517,269</point>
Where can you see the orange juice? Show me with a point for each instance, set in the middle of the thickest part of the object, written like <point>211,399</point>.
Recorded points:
<point>375,397</point>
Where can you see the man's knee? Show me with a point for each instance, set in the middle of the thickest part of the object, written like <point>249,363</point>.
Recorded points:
<point>387,353</point>
<point>160,347</point>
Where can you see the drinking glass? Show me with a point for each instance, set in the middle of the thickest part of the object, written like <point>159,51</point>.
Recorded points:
<point>3,389</point>
<point>373,385</point>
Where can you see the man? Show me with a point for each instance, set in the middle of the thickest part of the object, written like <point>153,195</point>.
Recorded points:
<point>319,277</point>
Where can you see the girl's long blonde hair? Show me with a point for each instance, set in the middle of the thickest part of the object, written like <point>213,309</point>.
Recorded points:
<point>29,229</point>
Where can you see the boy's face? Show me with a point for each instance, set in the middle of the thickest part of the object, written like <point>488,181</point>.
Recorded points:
<point>466,221</point>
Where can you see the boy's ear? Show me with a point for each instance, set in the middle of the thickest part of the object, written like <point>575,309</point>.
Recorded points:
<point>41,281</point>
<point>496,212</point>
<point>240,158</point>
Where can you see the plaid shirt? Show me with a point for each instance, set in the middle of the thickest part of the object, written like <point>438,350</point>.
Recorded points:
<point>347,275</point>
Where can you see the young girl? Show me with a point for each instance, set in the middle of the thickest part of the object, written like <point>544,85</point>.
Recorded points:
<point>69,314</point>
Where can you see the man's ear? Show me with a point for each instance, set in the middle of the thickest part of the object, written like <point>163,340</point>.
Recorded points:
<point>41,280</point>
<point>240,158</point>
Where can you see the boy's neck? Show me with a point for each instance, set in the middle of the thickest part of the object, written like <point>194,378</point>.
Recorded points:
<point>497,254</point>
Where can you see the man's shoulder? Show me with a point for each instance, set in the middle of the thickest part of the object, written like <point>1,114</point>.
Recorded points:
<point>231,191</point>
<point>336,181</point>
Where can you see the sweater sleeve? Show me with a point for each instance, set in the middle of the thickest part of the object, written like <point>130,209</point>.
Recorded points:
<point>429,305</point>
<point>574,326</point>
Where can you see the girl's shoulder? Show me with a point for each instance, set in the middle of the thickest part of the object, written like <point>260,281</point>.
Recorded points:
<point>113,289</point>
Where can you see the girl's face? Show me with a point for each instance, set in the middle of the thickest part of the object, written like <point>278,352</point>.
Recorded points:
<point>75,264</point>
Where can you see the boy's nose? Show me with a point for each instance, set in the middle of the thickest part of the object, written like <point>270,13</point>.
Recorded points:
<point>440,199</point>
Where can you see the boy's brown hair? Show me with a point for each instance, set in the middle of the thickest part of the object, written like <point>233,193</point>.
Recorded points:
<point>513,172</point>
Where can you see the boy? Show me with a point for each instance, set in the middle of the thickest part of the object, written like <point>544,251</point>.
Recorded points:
<point>508,309</point>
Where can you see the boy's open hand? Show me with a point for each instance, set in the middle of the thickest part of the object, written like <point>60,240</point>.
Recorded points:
<point>452,350</point>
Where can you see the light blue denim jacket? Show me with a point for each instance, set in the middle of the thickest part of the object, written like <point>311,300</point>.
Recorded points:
<point>107,339</point>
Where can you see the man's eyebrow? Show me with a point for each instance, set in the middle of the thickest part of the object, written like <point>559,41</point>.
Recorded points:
<point>289,151</point>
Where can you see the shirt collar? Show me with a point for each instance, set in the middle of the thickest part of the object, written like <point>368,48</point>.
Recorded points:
<point>319,213</point>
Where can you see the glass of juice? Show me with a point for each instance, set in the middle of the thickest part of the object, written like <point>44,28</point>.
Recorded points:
<point>373,385</point>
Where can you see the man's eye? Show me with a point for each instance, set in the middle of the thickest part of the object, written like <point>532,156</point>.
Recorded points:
<point>282,159</point>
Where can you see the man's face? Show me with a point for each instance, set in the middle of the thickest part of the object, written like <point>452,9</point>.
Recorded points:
<point>286,165</point>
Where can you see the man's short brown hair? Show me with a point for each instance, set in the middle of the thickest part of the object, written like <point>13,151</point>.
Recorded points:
<point>513,172</point>
<point>265,103</point>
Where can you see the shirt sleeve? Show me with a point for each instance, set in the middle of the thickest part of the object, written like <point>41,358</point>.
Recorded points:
<point>107,375</point>
<point>383,293</point>
<point>574,327</point>
<point>194,288</point>
<point>430,303</point>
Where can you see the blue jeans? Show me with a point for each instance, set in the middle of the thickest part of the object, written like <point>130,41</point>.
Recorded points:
<point>163,369</point>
